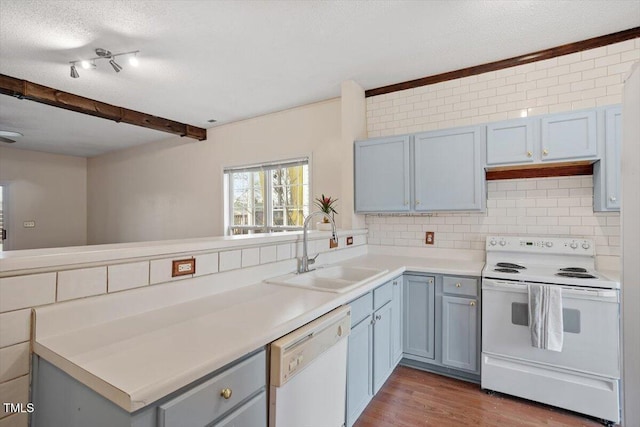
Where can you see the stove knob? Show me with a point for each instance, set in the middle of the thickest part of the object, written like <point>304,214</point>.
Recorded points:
<point>574,245</point>
<point>548,244</point>
<point>586,245</point>
<point>503,243</point>
<point>493,242</point>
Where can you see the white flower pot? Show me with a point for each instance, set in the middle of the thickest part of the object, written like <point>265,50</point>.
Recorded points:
<point>323,226</point>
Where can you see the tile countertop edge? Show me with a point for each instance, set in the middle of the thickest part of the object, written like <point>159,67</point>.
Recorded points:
<point>134,400</point>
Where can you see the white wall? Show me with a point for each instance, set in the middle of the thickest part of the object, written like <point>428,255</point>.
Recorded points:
<point>174,188</point>
<point>631,249</point>
<point>49,189</point>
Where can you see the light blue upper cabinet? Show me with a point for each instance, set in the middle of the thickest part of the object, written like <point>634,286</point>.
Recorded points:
<point>606,172</point>
<point>449,170</point>
<point>382,175</point>
<point>569,136</point>
<point>511,142</point>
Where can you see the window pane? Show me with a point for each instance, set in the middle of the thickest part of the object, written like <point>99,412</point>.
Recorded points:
<point>247,198</point>
<point>290,195</point>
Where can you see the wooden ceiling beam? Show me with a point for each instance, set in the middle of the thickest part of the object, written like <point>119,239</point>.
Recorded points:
<point>540,55</point>
<point>46,95</point>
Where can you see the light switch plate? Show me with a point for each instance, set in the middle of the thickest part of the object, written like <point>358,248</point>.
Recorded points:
<point>333,243</point>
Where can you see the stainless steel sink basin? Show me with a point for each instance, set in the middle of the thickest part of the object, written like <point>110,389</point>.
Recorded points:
<point>329,279</point>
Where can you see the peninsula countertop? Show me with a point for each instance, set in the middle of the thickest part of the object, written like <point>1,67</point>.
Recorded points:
<point>138,359</point>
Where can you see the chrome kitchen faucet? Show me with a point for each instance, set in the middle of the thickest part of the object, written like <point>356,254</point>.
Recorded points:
<point>303,263</point>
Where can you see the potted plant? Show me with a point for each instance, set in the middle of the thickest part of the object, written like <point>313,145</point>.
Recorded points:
<point>326,205</point>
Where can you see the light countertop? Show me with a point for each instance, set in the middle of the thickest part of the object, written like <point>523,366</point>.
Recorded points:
<point>136,360</point>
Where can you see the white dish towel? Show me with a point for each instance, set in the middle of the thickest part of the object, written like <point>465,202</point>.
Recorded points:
<point>545,316</point>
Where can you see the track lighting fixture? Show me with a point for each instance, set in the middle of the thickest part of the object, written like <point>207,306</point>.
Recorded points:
<point>103,54</point>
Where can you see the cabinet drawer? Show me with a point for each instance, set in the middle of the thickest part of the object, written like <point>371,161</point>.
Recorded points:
<point>361,308</point>
<point>460,286</point>
<point>253,413</point>
<point>204,403</point>
<point>382,295</point>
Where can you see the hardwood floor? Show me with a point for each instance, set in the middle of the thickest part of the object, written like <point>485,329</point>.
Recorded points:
<point>415,398</point>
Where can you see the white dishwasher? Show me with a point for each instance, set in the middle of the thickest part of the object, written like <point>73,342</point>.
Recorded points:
<point>309,373</point>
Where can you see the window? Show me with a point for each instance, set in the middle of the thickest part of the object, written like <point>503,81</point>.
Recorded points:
<point>267,197</point>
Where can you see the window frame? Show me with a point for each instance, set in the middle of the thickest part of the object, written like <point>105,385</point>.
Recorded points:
<point>268,195</point>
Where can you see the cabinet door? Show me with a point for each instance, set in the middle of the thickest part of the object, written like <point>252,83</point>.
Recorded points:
<point>613,142</point>
<point>253,413</point>
<point>569,136</point>
<point>419,316</point>
<point>510,142</point>
<point>459,325</point>
<point>449,170</point>
<point>382,175</point>
<point>382,365</point>
<point>359,369</point>
<point>396,321</point>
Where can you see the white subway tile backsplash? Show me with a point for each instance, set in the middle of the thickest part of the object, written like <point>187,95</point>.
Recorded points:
<point>15,327</point>
<point>81,283</point>
<point>27,291</point>
<point>14,391</point>
<point>160,270</point>
<point>230,260</point>
<point>268,254</point>
<point>14,361</point>
<point>206,264</point>
<point>250,257</point>
<point>127,276</point>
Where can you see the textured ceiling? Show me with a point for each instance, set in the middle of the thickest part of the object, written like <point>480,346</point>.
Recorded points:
<point>229,60</point>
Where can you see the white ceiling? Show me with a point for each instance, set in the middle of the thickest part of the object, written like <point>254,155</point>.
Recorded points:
<point>230,60</point>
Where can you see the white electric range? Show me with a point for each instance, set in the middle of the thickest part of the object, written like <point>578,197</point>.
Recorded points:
<point>584,376</point>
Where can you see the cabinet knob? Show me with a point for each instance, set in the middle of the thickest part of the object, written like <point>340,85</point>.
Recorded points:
<point>378,316</point>
<point>226,393</point>
<point>545,152</point>
<point>406,203</point>
<point>458,285</point>
<point>395,283</point>
<point>472,303</point>
<point>529,154</point>
<point>613,198</point>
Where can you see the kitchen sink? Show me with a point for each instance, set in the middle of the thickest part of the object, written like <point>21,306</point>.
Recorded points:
<point>329,279</point>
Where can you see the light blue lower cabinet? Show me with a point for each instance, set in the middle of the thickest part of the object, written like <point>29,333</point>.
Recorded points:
<point>359,369</point>
<point>459,325</point>
<point>419,316</point>
<point>382,361</point>
<point>372,353</point>
<point>62,401</point>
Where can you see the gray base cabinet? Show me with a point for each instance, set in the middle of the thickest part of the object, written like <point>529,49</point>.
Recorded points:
<point>419,316</point>
<point>62,401</point>
<point>442,324</point>
<point>373,343</point>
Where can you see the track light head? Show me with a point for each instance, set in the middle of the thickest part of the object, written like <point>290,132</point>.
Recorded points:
<point>115,65</point>
<point>74,72</point>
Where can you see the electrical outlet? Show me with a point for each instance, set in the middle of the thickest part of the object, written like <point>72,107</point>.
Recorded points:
<point>333,243</point>
<point>349,240</point>
<point>183,267</point>
<point>430,238</point>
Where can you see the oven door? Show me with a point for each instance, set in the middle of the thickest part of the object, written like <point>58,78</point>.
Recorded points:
<point>591,327</point>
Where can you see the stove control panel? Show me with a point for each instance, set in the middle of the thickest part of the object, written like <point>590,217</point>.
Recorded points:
<point>546,245</point>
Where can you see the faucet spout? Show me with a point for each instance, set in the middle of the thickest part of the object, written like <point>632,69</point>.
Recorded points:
<point>303,264</point>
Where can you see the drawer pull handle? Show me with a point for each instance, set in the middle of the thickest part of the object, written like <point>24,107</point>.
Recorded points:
<point>458,285</point>
<point>226,393</point>
<point>472,303</point>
